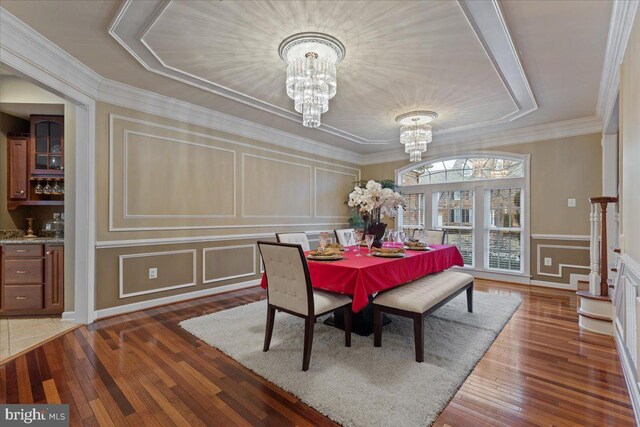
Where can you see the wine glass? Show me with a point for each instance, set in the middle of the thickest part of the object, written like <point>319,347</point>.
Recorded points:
<point>47,188</point>
<point>369,239</point>
<point>359,236</point>
<point>402,236</point>
<point>348,240</point>
<point>38,189</point>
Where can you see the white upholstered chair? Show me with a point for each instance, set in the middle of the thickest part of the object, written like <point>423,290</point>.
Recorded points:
<point>435,237</point>
<point>295,238</point>
<point>289,290</point>
<point>346,237</point>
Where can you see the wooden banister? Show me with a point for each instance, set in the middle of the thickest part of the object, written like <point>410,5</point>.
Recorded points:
<point>603,201</point>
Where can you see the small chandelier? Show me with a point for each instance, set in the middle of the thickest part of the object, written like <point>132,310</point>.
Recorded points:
<point>311,72</point>
<point>415,132</point>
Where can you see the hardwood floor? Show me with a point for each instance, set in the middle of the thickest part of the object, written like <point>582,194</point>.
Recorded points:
<point>143,369</point>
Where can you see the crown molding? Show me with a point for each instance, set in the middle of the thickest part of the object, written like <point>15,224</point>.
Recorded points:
<point>123,95</point>
<point>582,126</point>
<point>19,43</point>
<point>622,16</point>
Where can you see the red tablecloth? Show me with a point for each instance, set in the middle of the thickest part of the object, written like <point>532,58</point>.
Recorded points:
<point>361,276</point>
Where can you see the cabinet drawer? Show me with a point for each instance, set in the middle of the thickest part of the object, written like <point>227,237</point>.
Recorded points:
<point>23,251</point>
<point>23,297</point>
<point>23,271</point>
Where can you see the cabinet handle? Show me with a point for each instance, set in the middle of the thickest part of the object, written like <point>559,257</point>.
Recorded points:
<point>21,192</point>
<point>22,298</point>
<point>22,271</point>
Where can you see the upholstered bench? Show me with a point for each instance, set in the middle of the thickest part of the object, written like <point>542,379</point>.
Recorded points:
<point>419,298</point>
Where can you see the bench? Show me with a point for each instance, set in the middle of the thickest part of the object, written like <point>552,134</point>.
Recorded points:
<point>419,298</point>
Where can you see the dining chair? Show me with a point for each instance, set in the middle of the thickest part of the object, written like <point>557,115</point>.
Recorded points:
<point>346,237</point>
<point>435,237</point>
<point>289,290</point>
<point>297,238</point>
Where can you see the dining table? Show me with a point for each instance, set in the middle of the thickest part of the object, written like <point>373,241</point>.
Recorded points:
<point>362,275</point>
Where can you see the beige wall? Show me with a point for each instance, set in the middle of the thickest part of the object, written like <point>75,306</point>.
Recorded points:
<point>163,179</point>
<point>630,145</point>
<point>560,169</point>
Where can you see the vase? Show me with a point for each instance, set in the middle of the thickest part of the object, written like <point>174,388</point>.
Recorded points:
<point>377,229</point>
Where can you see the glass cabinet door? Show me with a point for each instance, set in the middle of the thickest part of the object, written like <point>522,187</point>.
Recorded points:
<point>48,144</point>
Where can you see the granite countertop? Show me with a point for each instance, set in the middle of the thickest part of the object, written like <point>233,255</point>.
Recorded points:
<point>33,241</point>
<point>18,237</point>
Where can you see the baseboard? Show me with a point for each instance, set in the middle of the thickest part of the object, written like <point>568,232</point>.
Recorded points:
<point>555,285</point>
<point>69,316</point>
<point>137,306</point>
<point>629,375</point>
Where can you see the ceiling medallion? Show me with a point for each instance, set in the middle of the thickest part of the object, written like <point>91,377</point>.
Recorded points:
<point>311,72</point>
<point>415,132</point>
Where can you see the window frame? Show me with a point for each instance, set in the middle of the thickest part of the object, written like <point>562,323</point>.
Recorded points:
<point>488,228</point>
<point>480,217</point>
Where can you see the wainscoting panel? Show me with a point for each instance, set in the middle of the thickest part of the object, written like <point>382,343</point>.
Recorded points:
<point>176,269</point>
<point>228,262</point>
<point>274,188</point>
<point>156,166</point>
<point>331,190</point>
<point>569,256</point>
<point>216,181</point>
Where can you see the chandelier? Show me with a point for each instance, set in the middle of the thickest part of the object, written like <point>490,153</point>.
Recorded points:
<point>415,132</point>
<point>311,73</point>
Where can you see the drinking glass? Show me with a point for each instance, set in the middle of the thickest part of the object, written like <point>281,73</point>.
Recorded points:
<point>47,188</point>
<point>402,236</point>
<point>359,237</point>
<point>323,240</point>
<point>369,239</point>
<point>38,189</point>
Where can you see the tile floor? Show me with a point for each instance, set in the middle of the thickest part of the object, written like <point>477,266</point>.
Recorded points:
<point>18,334</point>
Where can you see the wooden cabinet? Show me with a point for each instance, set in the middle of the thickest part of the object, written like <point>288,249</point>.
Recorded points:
<point>18,167</point>
<point>36,164</point>
<point>47,145</point>
<point>31,280</point>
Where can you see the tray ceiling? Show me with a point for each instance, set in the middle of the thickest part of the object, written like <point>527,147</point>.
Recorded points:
<point>401,56</point>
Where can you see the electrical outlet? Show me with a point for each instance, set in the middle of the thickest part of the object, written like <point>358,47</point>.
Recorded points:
<point>153,273</point>
<point>547,262</point>
<point>571,203</point>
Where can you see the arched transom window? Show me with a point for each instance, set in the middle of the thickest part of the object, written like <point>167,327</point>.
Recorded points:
<point>463,169</point>
<point>479,200</point>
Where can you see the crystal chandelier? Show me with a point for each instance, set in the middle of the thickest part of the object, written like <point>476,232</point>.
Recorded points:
<point>311,73</point>
<point>415,132</point>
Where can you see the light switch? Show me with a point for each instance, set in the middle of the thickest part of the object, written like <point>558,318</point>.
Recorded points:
<point>153,273</point>
<point>571,203</point>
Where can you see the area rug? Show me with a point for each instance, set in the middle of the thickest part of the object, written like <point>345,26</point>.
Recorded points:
<point>363,385</point>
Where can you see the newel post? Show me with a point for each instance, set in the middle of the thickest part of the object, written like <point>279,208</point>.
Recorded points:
<point>599,216</point>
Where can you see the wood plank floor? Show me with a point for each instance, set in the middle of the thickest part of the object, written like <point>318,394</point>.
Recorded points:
<point>143,369</point>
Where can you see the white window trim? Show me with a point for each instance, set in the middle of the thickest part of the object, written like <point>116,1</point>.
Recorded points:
<point>479,187</point>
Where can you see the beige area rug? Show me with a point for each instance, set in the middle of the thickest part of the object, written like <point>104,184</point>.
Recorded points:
<point>364,385</point>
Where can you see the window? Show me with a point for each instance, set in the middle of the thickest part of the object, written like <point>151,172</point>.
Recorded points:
<point>413,214</point>
<point>463,169</point>
<point>504,243</point>
<point>479,200</point>
<point>453,212</point>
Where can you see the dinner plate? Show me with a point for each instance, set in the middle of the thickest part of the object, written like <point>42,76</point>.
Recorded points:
<point>383,255</point>
<point>325,257</point>
<point>417,248</point>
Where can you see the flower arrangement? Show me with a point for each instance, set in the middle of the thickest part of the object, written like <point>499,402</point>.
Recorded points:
<point>374,201</point>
